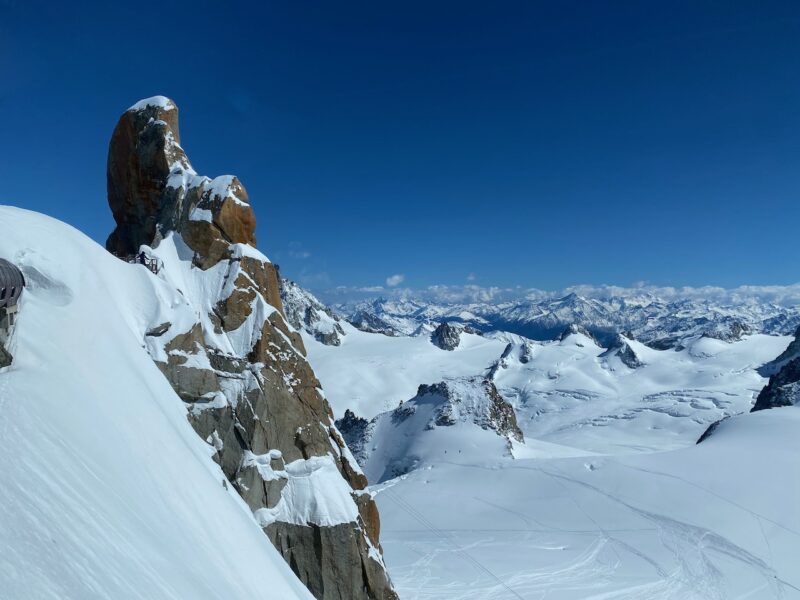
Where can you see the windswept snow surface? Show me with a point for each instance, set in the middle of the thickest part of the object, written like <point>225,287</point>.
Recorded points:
<point>564,392</point>
<point>717,521</point>
<point>574,393</point>
<point>609,497</point>
<point>371,373</point>
<point>155,101</point>
<point>107,491</point>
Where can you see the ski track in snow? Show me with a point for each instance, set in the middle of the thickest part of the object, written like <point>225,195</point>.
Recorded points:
<point>694,551</point>
<point>683,540</point>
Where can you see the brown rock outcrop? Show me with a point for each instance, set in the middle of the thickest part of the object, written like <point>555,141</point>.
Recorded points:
<point>241,369</point>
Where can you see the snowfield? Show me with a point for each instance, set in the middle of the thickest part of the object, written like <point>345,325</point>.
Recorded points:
<point>107,490</point>
<point>371,373</point>
<point>717,521</point>
<point>608,498</point>
<point>572,393</point>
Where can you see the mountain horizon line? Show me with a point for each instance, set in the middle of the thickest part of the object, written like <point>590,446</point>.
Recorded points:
<point>783,295</point>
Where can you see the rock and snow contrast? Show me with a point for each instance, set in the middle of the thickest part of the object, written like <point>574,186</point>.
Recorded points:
<point>305,313</point>
<point>396,442</point>
<point>116,364</point>
<point>605,493</point>
<point>783,388</point>
<point>107,490</point>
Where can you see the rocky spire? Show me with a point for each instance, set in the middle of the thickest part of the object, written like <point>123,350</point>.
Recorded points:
<point>240,368</point>
<point>153,189</point>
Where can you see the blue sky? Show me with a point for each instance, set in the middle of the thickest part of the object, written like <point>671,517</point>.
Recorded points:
<point>497,143</point>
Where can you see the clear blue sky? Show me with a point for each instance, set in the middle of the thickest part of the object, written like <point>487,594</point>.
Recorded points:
<point>539,144</point>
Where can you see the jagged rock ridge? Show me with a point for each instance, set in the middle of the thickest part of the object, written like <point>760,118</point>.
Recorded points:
<point>622,349</point>
<point>238,365</point>
<point>395,442</point>
<point>575,329</point>
<point>446,336</point>
<point>304,312</point>
<point>783,388</point>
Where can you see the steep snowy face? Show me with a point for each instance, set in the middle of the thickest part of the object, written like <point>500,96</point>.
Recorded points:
<point>622,349</point>
<point>107,491</point>
<point>236,362</point>
<point>465,417</point>
<point>305,313</point>
<point>783,388</point>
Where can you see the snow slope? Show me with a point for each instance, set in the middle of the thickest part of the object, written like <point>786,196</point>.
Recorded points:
<point>371,372</point>
<point>107,490</point>
<point>717,521</point>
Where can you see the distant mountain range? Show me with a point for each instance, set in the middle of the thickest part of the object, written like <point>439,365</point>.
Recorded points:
<point>657,321</point>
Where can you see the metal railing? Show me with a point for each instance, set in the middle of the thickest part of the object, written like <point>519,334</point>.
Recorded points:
<point>150,262</point>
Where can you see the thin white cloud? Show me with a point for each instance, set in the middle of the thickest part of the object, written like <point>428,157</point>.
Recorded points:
<point>297,251</point>
<point>471,277</point>
<point>395,280</point>
<point>783,295</point>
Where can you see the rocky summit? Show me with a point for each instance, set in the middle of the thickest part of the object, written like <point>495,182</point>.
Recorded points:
<point>441,416</point>
<point>304,312</point>
<point>783,388</point>
<point>237,363</point>
<point>447,336</point>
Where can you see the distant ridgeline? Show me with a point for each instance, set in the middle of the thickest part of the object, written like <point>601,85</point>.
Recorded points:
<point>645,317</point>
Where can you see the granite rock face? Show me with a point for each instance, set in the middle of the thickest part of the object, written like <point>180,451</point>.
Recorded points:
<point>462,402</point>
<point>153,189</point>
<point>370,323</point>
<point>475,400</point>
<point>447,336</point>
<point>239,366</point>
<point>623,350</point>
<point>783,388</point>
<point>305,313</point>
<point>576,329</point>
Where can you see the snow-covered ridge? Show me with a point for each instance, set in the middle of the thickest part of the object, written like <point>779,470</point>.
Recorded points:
<point>161,102</point>
<point>109,492</point>
<point>465,416</point>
